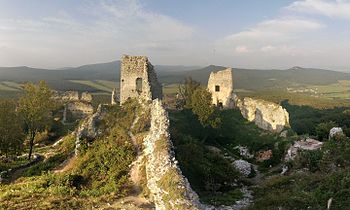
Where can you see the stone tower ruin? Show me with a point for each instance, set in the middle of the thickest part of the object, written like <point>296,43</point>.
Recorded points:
<point>138,79</point>
<point>220,85</point>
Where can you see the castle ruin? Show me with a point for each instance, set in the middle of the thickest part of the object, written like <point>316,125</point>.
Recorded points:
<point>76,106</point>
<point>138,79</point>
<point>220,85</point>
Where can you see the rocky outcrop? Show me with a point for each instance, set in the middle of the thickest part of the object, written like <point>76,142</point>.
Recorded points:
<point>244,152</point>
<point>335,132</point>
<point>266,115</point>
<point>88,129</point>
<point>169,189</point>
<point>244,167</point>
<point>307,144</point>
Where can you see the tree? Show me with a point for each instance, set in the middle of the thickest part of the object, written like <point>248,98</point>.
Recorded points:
<point>36,110</point>
<point>202,106</point>
<point>322,130</point>
<point>11,134</point>
<point>186,91</point>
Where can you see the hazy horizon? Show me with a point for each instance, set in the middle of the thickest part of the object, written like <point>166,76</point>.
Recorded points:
<point>259,35</point>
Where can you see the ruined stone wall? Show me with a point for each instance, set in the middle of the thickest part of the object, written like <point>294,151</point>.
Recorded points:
<point>266,115</point>
<point>114,97</point>
<point>80,109</point>
<point>87,97</point>
<point>66,96</point>
<point>79,106</point>
<point>132,69</point>
<point>220,85</point>
<point>169,189</point>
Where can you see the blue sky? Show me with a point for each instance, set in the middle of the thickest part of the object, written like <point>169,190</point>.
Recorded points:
<point>237,33</point>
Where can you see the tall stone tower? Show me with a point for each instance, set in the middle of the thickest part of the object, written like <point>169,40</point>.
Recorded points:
<point>138,79</point>
<point>220,85</point>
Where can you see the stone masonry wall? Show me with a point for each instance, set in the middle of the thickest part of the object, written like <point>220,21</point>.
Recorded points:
<point>79,106</point>
<point>266,115</point>
<point>169,189</point>
<point>222,80</point>
<point>138,67</point>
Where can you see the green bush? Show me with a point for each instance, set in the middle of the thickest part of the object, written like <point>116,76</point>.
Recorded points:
<point>304,191</point>
<point>46,165</point>
<point>309,159</point>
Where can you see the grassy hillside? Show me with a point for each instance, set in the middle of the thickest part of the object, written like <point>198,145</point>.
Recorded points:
<point>98,176</point>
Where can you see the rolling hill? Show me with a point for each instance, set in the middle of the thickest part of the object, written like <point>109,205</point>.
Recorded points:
<point>250,79</point>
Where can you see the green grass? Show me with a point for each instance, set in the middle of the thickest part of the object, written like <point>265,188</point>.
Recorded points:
<point>13,163</point>
<point>300,99</point>
<point>339,90</point>
<point>170,89</point>
<point>101,85</point>
<point>6,88</point>
<point>14,85</point>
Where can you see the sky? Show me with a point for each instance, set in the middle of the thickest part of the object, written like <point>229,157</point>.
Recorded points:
<point>263,34</point>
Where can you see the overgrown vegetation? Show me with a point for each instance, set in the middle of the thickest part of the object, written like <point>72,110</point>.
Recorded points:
<point>99,174</point>
<point>202,147</point>
<point>317,122</point>
<point>11,134</point>
<point>327,177</point>
<point>35,108</point>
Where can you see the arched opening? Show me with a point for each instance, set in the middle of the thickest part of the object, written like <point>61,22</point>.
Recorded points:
<point>139,85</point>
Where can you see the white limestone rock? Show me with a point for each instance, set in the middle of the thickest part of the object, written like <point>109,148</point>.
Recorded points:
<point>160,161</point>
<point>243,167</point>
<point>308,144</point>
<point>244,152</point>
<point>266,115</point>
<point>88,129</point>
<point>335,131</point>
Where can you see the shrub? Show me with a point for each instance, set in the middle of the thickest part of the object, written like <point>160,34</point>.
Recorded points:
<point>46,165</point>
<point>309,159</point>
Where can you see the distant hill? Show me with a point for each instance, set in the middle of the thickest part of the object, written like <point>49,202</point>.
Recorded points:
<point>59,78</point>
<point>243,78</point>
<point>262,79</point>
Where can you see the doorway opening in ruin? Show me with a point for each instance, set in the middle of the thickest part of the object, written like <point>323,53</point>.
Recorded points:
<point>220,105</point>
<point>217,88</point>
<point>139,85</point>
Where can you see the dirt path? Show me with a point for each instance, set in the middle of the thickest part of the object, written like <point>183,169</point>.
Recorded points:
<point>66,165</point>
<point>135,200</point>
<point>16,173</point>
<point>130,203</point>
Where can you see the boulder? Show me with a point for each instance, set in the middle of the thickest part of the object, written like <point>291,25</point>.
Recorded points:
<point>264,155</point>
<point>335,131</point>
<point>243,167</point>
<point>244,152</point>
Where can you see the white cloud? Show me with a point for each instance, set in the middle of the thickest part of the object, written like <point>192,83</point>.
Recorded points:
<point>334,8</point>
<point>268,48</point>
<point>241,49</point>
<point>270,35</point>
<point>109,29</point>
